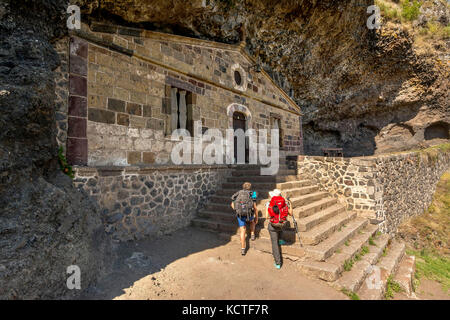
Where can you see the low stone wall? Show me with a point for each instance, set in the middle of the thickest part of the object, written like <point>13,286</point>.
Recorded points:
<point>386,188</point>
<point>139,202</point>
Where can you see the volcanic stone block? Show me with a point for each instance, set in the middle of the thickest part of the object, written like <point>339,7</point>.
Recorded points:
<point>78,65</point>
<point>79,47</point>
<point>116,105</point>
<point>77,85</point>
<point>103,116</point>
<point>134,109</point>
<point>155,124</point>
<point>133,157</point>
<point>147,111</point>
<point>77,150</point>
<point>77,106</point>
<point>137,122</point>
<point>123,119</point>
<point>77,127</point>
<point>148,157</point>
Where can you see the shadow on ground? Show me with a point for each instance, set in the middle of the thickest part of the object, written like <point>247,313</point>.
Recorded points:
<point>146,257</point>
<point>197,264</point>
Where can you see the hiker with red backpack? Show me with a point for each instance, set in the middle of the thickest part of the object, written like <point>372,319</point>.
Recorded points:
<point>244,203</point>
<point>277,212</point>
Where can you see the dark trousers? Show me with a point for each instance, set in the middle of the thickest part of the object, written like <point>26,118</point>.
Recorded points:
<point>275,233</point>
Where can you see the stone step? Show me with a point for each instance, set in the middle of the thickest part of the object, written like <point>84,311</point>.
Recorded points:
<point>291,249</point>
<point>375,287</point>
<point>353,279</point>
<point>332,268</point>
<point>216,216</point>
<point>219,226</point>
<point>316,206</point>
<point>297,192</point>
<point>244,167</point>
<point>289,235</point>
<point>226,207</point>
<point>320,269</point>
<point>262,196</point>
<point>324,230</point>
<point>326,248</point>
<point>308,198</point>
<point>257,172</point>
<point>255,179</point>
<point>267,185</point>
<point>305,224</point>
<point>305,188</point>
<point>405,274</point>
<point>265,245</point>
<point>376,251</point>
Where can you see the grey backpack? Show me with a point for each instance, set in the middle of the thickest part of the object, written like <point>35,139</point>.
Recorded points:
<point>243,203</point>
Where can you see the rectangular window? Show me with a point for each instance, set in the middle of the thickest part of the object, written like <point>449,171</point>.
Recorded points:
<point>275,122</point>
<point>181,113</point>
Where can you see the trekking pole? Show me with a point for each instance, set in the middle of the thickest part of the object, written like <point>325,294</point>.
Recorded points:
<point>295,224</point>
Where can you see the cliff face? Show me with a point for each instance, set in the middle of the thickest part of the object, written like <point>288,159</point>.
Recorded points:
<point>367,91</point>
<point>46,225</point>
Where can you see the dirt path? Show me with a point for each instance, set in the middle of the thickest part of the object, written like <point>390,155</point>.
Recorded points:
<point>195,264</point>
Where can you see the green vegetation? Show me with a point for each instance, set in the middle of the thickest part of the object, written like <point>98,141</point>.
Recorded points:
<point>431,265</point>
<point>348,264</point>
<point>429,236</point>
<point>63,165</point>
<point>364,250</point>
<point>405,12</point>
<point>435,30</point>
<point>391,287</point>
<point>388,10</point>
<point>410,9</point>
<point>431,230</point>
<point>352,295</point>
<point>385,250</point>
<point>371,242</point>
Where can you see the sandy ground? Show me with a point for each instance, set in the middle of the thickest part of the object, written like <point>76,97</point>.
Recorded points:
<point>194,264</point>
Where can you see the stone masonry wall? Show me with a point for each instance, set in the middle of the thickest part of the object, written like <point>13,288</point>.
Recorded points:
<point>62,91</point>
<point>139,202</point>
<point>125,90</point>
<point>387,188</point>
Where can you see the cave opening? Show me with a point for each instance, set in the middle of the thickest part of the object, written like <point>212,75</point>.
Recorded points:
<point>438,130</point>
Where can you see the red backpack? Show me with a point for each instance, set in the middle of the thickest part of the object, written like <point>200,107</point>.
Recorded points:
<point>278,210</point>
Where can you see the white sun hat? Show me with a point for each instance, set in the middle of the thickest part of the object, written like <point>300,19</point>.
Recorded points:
<point>275,193</point>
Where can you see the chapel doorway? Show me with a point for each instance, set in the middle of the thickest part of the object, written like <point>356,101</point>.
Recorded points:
<point>239,122</point>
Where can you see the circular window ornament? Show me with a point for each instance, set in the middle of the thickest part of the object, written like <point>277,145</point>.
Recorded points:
<point>239,77</point>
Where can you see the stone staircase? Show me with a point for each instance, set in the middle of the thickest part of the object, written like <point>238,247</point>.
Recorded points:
<point>337,246</point>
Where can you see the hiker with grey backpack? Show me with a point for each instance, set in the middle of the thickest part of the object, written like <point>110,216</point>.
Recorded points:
<point>244,204</point>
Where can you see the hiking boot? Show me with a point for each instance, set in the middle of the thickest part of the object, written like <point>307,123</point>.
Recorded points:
<point>281,242</point>
<point>253,237</point>
<point>243,251</point>
<point>278,266</point>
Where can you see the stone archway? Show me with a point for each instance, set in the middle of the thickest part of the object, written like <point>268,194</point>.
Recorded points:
<point>236,107</point>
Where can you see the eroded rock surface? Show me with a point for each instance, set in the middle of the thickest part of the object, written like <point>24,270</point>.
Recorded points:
<point>367,91</point>
<point>46,225</point>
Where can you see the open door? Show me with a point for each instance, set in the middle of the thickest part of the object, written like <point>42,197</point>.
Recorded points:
<point>239,122</point>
